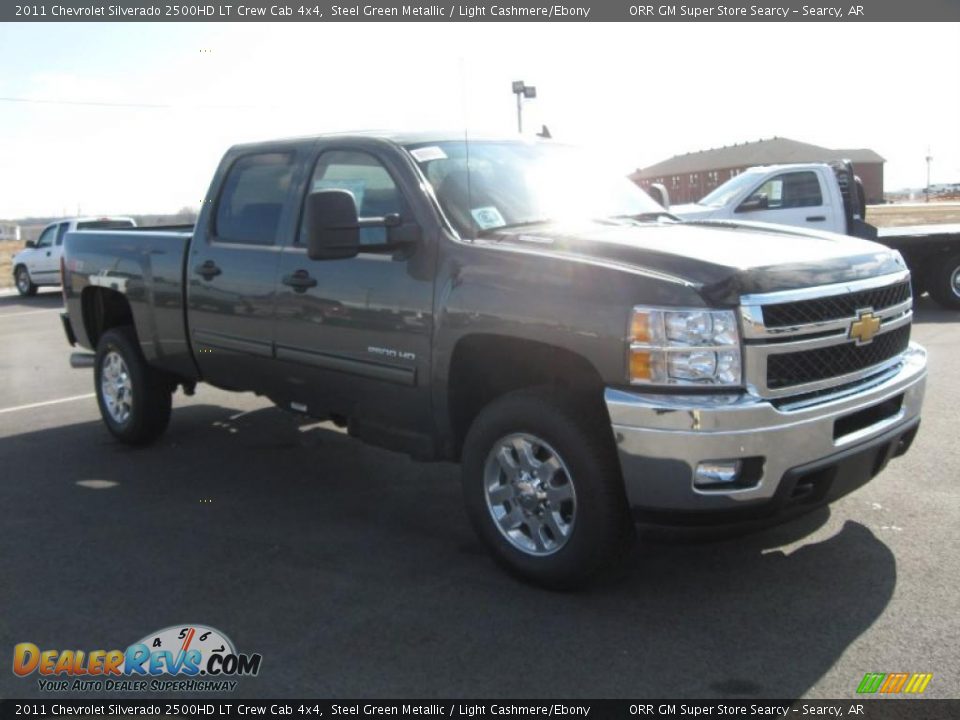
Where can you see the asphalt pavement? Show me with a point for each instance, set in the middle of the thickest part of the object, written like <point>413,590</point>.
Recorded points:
<point>353,570</point>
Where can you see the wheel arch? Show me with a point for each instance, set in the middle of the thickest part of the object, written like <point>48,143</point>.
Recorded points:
<point>484,367</point>
<point>103,309</point>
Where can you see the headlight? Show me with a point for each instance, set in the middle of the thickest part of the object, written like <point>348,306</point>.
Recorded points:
<point>684,347</point>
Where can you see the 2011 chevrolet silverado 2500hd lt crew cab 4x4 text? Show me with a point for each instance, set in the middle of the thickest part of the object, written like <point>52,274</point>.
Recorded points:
<point>512,306</point>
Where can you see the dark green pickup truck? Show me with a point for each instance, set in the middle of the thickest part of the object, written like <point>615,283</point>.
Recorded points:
<point>518,308</point>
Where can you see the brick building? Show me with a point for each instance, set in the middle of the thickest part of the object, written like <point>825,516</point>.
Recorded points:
<point>691,176</point>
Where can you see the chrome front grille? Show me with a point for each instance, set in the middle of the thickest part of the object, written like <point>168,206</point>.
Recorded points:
<point>806,366</point>
<point>835,307</point>
<point>804,341</point>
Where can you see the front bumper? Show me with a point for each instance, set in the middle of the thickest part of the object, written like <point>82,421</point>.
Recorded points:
<point>792,454</point>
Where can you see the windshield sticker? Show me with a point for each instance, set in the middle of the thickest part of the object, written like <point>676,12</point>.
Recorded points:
<point>354,187</point>
<point>426,154</point>
<point>488,217</point>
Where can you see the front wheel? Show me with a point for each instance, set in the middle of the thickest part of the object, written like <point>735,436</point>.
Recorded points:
<point>134,398</point>
<point>944,282</point>
<point>25,285</point>
<point>543,488</point>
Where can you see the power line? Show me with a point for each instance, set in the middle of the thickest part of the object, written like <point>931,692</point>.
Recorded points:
<point>151,106</point>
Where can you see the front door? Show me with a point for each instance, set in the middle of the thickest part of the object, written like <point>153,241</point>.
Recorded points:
<point>353,335</point>
<point>792,198</point>
<point>44,267</point>
<point>232,268</point>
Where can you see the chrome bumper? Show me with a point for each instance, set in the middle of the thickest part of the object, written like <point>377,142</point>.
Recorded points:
<point>662,438</point>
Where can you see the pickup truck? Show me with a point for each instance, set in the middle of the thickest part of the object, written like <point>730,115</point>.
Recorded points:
<point>515,307</point>
<point>38,263</point>
<point>828,196</point>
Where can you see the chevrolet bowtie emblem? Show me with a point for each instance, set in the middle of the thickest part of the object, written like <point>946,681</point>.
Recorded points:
<point>864,327</point>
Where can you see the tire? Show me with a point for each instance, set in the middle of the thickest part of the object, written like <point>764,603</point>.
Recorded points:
<point>24,284</point>
<point>134,399</point>
<point>557,532</point>
<point>943,282</point>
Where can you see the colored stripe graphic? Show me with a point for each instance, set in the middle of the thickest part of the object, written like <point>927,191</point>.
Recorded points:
<point>870,683</point>
<point>918,683</point>
<point>893,683</point>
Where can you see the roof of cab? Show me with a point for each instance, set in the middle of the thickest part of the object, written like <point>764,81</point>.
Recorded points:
<point>398,137</point>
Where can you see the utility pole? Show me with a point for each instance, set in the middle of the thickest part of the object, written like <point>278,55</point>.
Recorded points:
<point>929,160</point>
<point>522,91</point>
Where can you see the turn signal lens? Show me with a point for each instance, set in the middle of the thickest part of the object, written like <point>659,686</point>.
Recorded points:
<point>640,327</point>
<point>640,366</point>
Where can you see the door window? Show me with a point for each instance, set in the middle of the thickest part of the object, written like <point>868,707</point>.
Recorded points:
<point>61,231</point>
<point>374,192</point>
<point>790,190</point>
<point>253,198</point>
<point>46,237</point>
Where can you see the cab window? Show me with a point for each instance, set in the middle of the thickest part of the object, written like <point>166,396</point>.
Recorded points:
<point>790,190</point>
<point>362,175</point>
<point>61,231</point>
<point>253,197</point>
<point>47,237</point>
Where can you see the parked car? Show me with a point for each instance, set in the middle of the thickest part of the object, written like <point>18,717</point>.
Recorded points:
<point>38,263</point>
<point>504,304</point>
<point>827,196</point>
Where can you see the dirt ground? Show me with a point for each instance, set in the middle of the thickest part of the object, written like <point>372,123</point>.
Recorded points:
<point>7,250</point>
<point>879,215</point>
<point>914,214</point>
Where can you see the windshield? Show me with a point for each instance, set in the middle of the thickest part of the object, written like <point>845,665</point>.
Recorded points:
<point>509,184</point>
<point>731,188</point>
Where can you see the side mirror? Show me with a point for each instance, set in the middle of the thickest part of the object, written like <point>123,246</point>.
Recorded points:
<point>754,202</point>
<point>31,244</point>
<point>332,226</point>
<point>658,192</point>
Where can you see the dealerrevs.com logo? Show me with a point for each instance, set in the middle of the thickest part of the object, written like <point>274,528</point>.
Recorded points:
<point>187,658</point>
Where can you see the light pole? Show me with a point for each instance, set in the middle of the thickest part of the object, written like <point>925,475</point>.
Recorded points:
<point>929,160</point>
<point>522,91</point>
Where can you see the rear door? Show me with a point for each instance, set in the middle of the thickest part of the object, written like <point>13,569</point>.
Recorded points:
<point>233,262</point>
<point>353,335</point>
<point>795,198</point>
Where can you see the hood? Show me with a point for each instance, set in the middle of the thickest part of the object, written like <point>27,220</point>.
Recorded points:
<point>723,259</point>
<point>692,211</point>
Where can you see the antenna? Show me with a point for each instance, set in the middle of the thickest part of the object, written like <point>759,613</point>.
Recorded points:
<point>466,132</point>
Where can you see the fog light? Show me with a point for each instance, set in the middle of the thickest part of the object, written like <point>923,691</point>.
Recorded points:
<point>717,472</point>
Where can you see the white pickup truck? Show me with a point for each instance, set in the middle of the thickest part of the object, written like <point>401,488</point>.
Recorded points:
<point>39,262</point>
<point>828,197</point>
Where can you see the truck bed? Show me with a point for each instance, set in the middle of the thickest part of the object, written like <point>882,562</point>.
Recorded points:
<point>146,265</point>
<point>920,232</point>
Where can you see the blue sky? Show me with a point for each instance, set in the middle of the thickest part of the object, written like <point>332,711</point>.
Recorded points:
<point>637,93</point>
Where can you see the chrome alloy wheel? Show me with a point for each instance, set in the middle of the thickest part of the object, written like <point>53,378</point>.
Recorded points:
<point>116,387</point>
<point>23,280</point>
<point>955,281</point>
<point>530,494</point>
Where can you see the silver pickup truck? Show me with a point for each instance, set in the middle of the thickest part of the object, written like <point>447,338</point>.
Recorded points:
<point>587,358</point>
